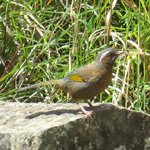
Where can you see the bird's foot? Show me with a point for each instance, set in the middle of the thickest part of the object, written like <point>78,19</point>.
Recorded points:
<point>83,111</point>
<point>88,113</point>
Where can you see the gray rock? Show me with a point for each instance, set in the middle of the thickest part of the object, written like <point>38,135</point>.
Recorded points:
<point>40,126</point>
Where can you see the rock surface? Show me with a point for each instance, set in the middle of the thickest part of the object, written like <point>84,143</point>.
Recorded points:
<point>39,126</point>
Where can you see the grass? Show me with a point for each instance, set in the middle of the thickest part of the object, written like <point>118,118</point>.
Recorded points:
<point>44,40</point>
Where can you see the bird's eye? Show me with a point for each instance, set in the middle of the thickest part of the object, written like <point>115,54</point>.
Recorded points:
<point>111,55</point>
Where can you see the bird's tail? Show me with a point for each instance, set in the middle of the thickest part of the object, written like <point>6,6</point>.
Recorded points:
<point>39,84</point>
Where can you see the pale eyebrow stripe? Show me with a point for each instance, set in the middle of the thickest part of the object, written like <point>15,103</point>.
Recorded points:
<point>103,55</point>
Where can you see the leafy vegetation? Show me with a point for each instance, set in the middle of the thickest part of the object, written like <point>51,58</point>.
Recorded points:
<point>44,40</point>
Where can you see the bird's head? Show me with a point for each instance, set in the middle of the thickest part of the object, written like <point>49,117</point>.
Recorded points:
<point>108,56</point>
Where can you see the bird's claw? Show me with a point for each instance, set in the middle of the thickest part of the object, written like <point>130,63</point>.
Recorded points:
<point>88,113</point>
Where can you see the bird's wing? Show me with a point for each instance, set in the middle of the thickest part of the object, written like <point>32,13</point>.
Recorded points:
<point>82,74</point>
<point>75,77</point>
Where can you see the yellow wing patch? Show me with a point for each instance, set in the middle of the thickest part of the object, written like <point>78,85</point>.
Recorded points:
<point>75,77</point>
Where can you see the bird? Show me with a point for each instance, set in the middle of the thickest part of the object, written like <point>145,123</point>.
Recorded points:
<point>86,81</point>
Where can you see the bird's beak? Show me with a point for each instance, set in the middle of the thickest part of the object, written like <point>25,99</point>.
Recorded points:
<point>120,52</point>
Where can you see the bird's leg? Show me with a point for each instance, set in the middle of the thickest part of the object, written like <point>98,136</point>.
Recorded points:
<point>88,113</point>
<point>90,104</point>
